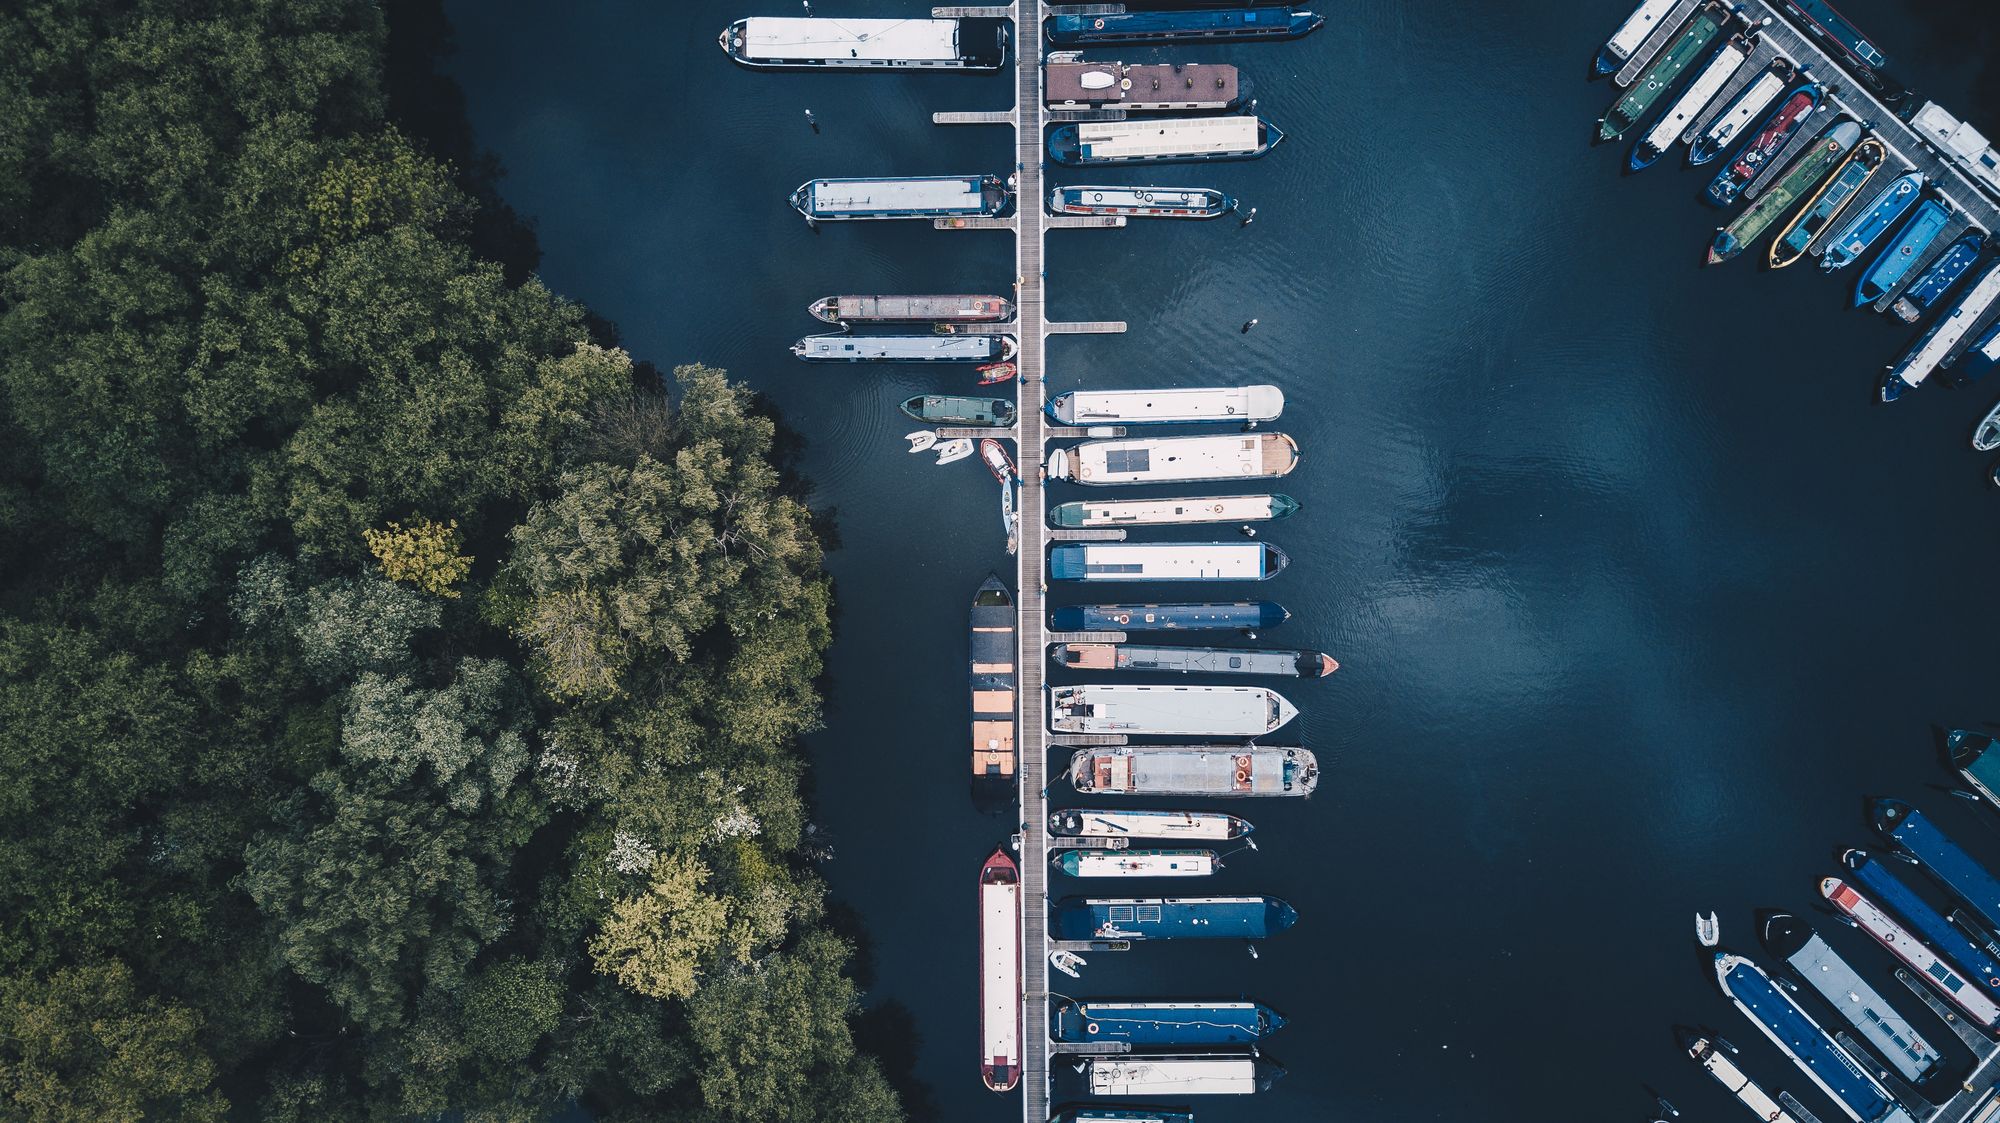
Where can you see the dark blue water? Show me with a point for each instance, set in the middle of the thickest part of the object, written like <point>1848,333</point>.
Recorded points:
<point>1637,589</point>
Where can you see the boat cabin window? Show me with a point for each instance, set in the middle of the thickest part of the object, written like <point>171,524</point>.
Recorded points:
<point>1127,459</point>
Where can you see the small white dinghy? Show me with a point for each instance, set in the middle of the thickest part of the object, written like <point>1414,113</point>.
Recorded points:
<point>1067,962</point>
<point>958,448</point>
<point>1707,929</point>
<point>1986,438</point>
<point>921,440</point>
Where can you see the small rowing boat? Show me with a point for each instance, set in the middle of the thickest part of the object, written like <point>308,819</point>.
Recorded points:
<point>997,461</point>
<point>994,373</point>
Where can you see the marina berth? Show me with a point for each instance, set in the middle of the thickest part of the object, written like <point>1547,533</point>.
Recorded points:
<point>1227,24</point>
<point>1689,105</point>
<point>948,409</point>
<point>936,309</point>
<point>1911,245</point>
<point>1168,711</point>
<point>1891,1034</point>
<point>1170,918</point>
<point>840,347</point>
<point>1826,204</point>
<point>1874,219</point>
<point>942,196</point>
<point>1968,996</point>
<point>1165,140</point>
<point>1846,44</point>
<point>1123,1115</point>
<point>1665,72</point>
<point>1201,1074</point>
<point>1136,863</point>
<point>1204,770</point>
<point>1190,404</point>
<point>1193,660</point>
<point>1763,145</point>
<point>1631,33</point>
<point>1165,561</point>
<point>1889,890</point>
<point>1173,512</point>
<point>991,681</point>
<point>1780,1018</point>
<point>1719,1065</point>
<point>793,42</point>
<point>1944,336</point>
<point>1714,140</point>
<point>1153,1025</point>
<point>1142,202</point>
<point>1203,826</point>
<point>1938,277</point>
<point>1070,82</point>
<point>1000,972</point>
<point>1955,869</point>
<point>1798,179</point>
<point>1166,460</point>
<point>1197,617</point>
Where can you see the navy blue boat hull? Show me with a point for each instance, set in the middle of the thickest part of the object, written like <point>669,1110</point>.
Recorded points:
<point>1230,25</point>
<point>1216,616</point>
<point>1170,918</point>
<point>1164,1024</point>
<point>1909,243</point>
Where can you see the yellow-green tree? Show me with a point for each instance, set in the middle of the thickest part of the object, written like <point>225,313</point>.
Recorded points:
<point>425,554</point>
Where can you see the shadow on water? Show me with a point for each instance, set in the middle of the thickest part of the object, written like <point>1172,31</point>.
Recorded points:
<point>888,1030</point>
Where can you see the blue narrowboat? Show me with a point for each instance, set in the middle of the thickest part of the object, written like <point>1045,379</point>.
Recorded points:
<point>1846,44</point>
<point>1150,1024</point>
<point>1796,1034</point>
<point>1170,918</point>
<point>1214,616</point>
<point>1944,272</point>
<point>1947,862</point>
<point>1271,22</point>
<point>1124,1115</point>
<point>1926,921</point>
<point>1872,221</point>
<point>1902,255</point>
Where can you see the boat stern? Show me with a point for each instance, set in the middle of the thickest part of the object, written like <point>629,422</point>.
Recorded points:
<point>731,40</point>
<point>1893,387</point>
<point>801,198</point>
<point>826,308</point>
<point>1062,144</point>
<point>1282,711</point>
<point>1320,664</point>
<point>1269,1021</point>
<point>1275,561</point>
<point>1058,408</point>
<point>1888,814</point>
<point>1283,506</point>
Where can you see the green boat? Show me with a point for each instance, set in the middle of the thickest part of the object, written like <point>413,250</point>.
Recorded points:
<point>1798,180</point>
<point>1665,71</point>
<point>1825,205</point>
<point>949,409</point>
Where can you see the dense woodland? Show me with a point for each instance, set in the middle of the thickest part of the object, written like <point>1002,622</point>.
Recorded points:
<point>399,686</point>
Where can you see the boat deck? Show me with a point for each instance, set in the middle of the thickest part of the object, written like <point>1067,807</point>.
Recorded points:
<point>1651,45</point>
<point>1760,58</point>
<point>1952,231</point>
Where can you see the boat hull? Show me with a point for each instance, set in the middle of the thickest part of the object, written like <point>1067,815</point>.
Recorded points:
<point>1168,711</point>
<point>912,309</point>
<point>1903,253</point>
<point>1142,202</point>
<point>1155,1025</point>
<point>1195,617</point>
<point>1000,972</point>
<point>1071,146</point>
<point>975,44</point>
<point>1165,561</point>
<point>1170,918</point>
<point>1136,863</point>
<point>991,681</point>
<point>1181,826</point>
<point>1221,771</point>
<point>1874,220</point>
<point>1173,512</point>
<point>1251,24</point>
<point>861,200</point>
<point>1832,197</point>
<point>1938,278</point>
<point>1764,145</point>
<point>1823,158</point>
<point>946,409</point>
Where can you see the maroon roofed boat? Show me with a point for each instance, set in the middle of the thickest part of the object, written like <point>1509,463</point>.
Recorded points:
<point>1000,972</point>
<point>1761,149</point>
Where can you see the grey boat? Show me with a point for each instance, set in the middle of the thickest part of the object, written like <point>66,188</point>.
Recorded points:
<point>1210,770</point>
<point>1193,660</point>
<point>839,347</point>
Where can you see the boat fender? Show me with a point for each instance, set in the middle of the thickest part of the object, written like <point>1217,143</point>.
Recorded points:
<point>1218,508</point>
<point>1091,1028</point>
<point>1099,25</point>
<point>1123,618</point>
<point>1242,776</point>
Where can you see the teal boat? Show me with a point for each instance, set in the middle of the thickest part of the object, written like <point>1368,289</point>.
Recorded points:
<point>1665,71</point>
<point>1825,205</point>
<point>1805,171</point>
<point>950,409</point>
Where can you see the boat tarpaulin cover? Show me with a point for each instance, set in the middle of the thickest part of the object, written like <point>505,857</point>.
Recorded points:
<point>806,38</point>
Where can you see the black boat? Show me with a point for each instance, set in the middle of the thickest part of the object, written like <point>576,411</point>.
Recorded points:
<point>1205,25</point>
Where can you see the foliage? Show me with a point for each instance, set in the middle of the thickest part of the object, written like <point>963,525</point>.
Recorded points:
<point>296,800</point>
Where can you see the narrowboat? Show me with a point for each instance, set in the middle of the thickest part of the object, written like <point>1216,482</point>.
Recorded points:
<point>1156,1025</point>
<point>1798,179</point>
<point>1123,1115</point>
<point>1900,256</point>
<point>1165,561</point>
<point>1199,1074</point>
<point>914,309</point>
<point>1197,770</point>
<point>808,43</point>
<point>1210,616</point>
<point>1889,890</point>
<point>1743,109</point>
<point>1764,145</point>
<point>1170,918</point>
<point>1069,82</point>
<point>1967,995</point>
<point>1811,959</point>
<point>1207,25</point>
<point>991,680</point>
<point>1135,863</point>
<point>1938,277</point>
<point>1846,44</point>
<point>1971,753</point>
<point>1168,711</point>
<point>1720,1065</point>
<point>1631,33</point>
<point>1167,460</point>
<point>1945,335</point>
<point>1825,205</point>
<point>1665,71</point>
<point>1779,1017</point>
<point>1873,220</point>
<point>1142,202</point>
<point>1000,972</point>
<point>1192,660</point>
<point>1212,404</point>
<point>841,347</point>
<point>1173,512</point>
<point>1686,107</point>
<point>941,196</point>
<point>1166,140</point>
<point>1945,860</point>
<point>1982,356</point>
<point>1209,826</point>
<point>951,409</point>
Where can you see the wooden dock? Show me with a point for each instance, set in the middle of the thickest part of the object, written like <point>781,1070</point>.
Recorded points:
<point>1089,327</point>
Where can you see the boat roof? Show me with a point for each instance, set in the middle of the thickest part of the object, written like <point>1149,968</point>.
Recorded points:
<point>1865,1009</point>
<point>1637,25</point>
<point>1946,860</point>
<point>1221,710</point>
<point>1168,136</point>
<point>842,346</point>
<point>805,38</point>
<point>1777,1014</point>
<point>910,194</point>
<point>1261,402</point>
<point>1149,82</point>
<point>1102,561</point>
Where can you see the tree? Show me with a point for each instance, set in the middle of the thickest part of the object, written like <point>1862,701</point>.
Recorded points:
<point>83,1046</point>
<point>426,555</point>
<point>657,942</point>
